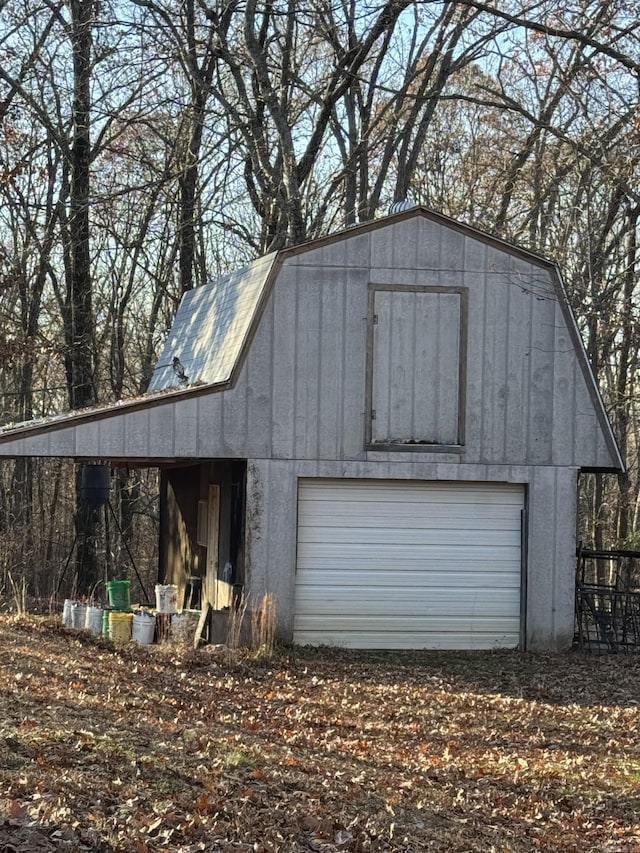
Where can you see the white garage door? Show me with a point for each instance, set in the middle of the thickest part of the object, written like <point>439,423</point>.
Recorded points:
<point>391,564</point>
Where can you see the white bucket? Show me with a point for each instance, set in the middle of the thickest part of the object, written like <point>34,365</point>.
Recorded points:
<point>66,612</point>
<point>166,598</point>
<point>144,626</point>
<point>78,615</point>
<point>93,620</point>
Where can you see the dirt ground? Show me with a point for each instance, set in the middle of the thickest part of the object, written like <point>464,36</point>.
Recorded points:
<point>150,748</point>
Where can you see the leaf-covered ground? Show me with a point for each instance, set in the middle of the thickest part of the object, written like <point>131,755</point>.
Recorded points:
<point>160,748</point>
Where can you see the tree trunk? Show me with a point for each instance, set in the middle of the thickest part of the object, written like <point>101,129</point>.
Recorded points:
<point>624,372</point>
<point>79,361</point>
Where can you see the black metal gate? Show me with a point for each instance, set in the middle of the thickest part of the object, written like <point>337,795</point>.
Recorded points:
<point>608,601</point>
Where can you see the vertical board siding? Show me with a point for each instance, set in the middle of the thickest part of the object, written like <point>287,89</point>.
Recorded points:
<point>283,374</point>
<point>186,433</point>
<point>475,256</point>
<point>234,412</point>
<point>452,249</point>
<point>331,368</point>
<point>493,385</point>
<point>136,437</point>
<point>210,425</point>
<point>566,499</point>
<point>551,561</point>
<point>540,387</point>
<point>111,436</point>
<point>270,542</point>
<point>564,392</point>
<point>354,360</point>
<point>517,371</point>
<point>87,440</point>
<point>307,387</point>
<point>162,429</point>
<point>476,285</point>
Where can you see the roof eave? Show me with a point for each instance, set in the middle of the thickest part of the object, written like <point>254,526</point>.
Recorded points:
<point>75,418</point>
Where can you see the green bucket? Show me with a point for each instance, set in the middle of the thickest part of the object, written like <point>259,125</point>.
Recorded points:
<point>119,594</point>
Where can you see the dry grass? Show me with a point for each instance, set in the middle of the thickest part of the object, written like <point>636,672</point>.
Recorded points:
<point>263,626</point>
<point>18,593</point>
<point>144,749</point>
<point>235,627</point>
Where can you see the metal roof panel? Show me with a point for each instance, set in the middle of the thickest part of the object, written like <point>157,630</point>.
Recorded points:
<point>210,327</point>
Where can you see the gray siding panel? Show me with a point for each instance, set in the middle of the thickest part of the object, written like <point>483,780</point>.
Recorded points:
<point>452,250</point>
<point>234,417</point>
<point>62,443</point>
<point>162,423</point>
<point>476,285</point>
<point>428,241</point>
<point>564,560</point>
<point>586,423</point>
<point>284,366</point>
<point>475,255</point>
<point>498,261</point>
<point>382,248</point>
<point>564,393</point>
<point>517,372</point>
<point>87,440</point>
<point>111,436</point>
<point>269,544</point>
<point>136,436</point>
<point>186,427</point>
<point>494,379</point>
<point>603,454</point>
<point>412,248</point>
<point>354,360</point>
<point>541,379</point>
<point>260,389</point>
<point>551,558</point>
<point>210,438</point>
<point>331,369</point>
<point>306,392</point>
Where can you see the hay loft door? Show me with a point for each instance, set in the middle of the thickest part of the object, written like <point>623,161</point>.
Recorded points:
<point>416,366</point>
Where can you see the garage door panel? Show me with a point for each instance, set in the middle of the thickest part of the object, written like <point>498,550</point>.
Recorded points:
<point>366,491</point>
<point>441,504</point>
<point>406,640</point>
<point>395,623</point>
<point>413,536</point>
<point>361,578</point>
<point>397,564</point>
<point>407,634</point>
<point>331,514</point>
<point>390,556</point>
<point>419,603</point>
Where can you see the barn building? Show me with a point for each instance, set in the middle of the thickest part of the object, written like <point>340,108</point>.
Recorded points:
<point>383,428</point>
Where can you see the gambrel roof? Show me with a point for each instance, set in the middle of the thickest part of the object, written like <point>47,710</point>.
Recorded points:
<point>251,343</point>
